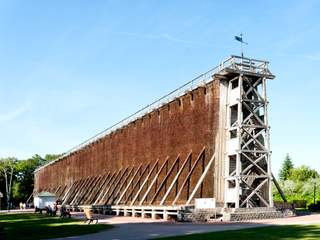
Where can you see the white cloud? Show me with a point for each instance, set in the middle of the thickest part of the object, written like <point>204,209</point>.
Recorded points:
<point>314,56</point>
<point>162,36</point>
<point>14,114</point>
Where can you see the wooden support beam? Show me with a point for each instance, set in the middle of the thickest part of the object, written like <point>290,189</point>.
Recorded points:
<point>60,191</point>
<point>70,190</point>
<point>63,191</point>
<point>76,191</point>
<point>254,191</point>
<point>279,188</point>
<point>188,158</point>
<point>253,113</point>
<point>201,155</point>
<point>107,187</point>
<point>255,163</point>
<point>86,196</point>
<point>137,183</point>
<point>90,187</point>
<point>96,190</point>
<point>73,191</point>
<point>144,182</point>
<point>118,189</point>
<point>153,181</point>
<point>164,181</point>
<point>252,88</point>
<point>67,192</point>
<point>200,180</point>
<point>254,138</point>
<point>79,191</point>
<point>83,191</point>
<point>128,185</point>
<point>101,187</point>
<point>56,190</point>
<point>114,186</point>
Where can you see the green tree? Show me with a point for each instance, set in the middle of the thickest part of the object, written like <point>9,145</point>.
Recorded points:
<point>286,168</point>
<point>17,176</point>
<point>7,166</point>
<point>24,175</point>
<point>51,157</point>
<point>303,173</point>
<point>307,191</point>
<point>297,183</point>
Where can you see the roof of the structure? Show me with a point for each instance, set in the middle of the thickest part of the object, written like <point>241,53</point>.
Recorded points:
<point>45,194</point>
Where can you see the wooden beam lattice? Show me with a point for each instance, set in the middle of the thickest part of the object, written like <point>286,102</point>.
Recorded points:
<point>89,189</point>
<point>70,192</point>
<point>135,188</point>
<point>153,181</point>
<point>118,189</point>
<point>199,183</point>
<point>68,189</point>
<point>164,181</point>
<point>95,190</point>
<point>105,192</point>
<point>144,182</point>
<point>175,180</point>
<point>128,185</point>
<point>114,186</point>
<point>79,190</point>
<point>201,156</point>
<point>106,186</point>
<point>82,191</point>
<point>100,185</point>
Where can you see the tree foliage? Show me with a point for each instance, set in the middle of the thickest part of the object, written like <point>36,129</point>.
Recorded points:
<point>51,157</point>
<point>23,176</point>
<point>287,166</point>
<point>23,186</point>
<point>303,173</point>
<point>297,183</point>
<point>7,166</point>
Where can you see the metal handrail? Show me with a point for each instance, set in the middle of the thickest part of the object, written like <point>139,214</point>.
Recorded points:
<point>202,79</point>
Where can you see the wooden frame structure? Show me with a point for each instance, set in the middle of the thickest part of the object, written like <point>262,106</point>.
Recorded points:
<point>141,186</point>
<point>248,170</point>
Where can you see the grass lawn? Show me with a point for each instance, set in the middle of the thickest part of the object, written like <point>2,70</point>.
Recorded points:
<point>262,233</point>
<point>40,226</point>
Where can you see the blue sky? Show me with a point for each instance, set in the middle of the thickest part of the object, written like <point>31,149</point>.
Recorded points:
<point>69,69</point>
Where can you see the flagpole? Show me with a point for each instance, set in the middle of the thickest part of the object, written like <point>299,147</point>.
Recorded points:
<point>240,39</point>
<point>241,50</point>
<point>241,46</point>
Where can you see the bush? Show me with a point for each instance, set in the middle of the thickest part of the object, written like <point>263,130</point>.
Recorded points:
<point>314,207</point>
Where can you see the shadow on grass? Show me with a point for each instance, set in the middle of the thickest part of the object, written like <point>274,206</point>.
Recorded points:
<point>36,226</point>
<point>261,233</point>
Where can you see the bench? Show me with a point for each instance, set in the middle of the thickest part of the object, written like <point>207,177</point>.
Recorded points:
<point>89,217</point>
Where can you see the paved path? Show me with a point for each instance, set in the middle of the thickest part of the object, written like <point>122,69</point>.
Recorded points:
<point>28,210</point>
<point>128,228</point>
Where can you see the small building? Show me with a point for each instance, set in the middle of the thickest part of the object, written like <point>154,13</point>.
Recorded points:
<point>43,199</point>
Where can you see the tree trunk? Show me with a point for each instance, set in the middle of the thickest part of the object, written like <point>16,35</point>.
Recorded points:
<point>6,182</point>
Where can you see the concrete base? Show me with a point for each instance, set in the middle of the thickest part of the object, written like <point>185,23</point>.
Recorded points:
<point>189,214</point>
<point>153,212</point>
<point>245,214</point>
<point>232,214</point>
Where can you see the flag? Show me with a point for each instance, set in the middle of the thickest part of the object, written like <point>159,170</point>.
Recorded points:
<point>238,38</point>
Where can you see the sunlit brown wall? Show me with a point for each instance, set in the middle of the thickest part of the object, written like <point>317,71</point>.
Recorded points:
<point>188,123</point>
